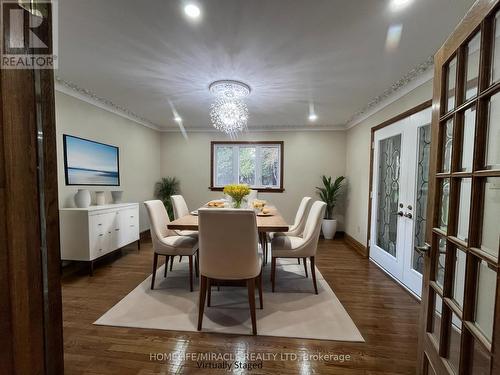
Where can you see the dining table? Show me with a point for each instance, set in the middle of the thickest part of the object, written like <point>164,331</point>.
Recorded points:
<point>272,222</point>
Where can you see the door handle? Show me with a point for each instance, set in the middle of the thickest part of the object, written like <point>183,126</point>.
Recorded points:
<point>400,213</point>
<point>426,248</point>
<point>408,215</point>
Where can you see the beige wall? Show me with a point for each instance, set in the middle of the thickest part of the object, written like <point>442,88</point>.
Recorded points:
<point>358,160</point>
<point>307,155</point>
<point>139,150</point>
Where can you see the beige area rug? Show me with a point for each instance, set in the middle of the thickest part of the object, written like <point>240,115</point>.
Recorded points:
<point>292,311</point>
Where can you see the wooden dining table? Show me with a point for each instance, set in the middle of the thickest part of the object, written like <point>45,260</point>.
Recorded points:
<point>265,224</point>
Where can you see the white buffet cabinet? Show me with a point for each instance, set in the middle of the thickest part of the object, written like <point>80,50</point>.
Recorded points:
<point>89,233</point>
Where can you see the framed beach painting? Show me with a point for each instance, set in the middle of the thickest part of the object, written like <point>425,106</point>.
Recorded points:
<point>90,163</point>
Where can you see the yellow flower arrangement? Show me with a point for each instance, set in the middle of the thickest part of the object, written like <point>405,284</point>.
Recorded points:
<point>237,192</point>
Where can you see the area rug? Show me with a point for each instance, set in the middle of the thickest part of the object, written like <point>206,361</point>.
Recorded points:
<point>292,311</point>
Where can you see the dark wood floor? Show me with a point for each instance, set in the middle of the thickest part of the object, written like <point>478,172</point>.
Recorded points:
<point>385,314</point>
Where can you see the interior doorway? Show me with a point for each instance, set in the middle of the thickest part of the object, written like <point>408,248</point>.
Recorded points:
<point>399,196</point>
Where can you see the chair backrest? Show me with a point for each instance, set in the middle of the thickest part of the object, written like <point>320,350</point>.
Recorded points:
<point>228,243</point>
<point>300,218</point>
<point>251,197</point>
<point>314,220</point>
<point>180,207</point>
<point>158,219</point>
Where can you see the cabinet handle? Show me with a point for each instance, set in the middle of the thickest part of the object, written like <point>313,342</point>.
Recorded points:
<point>132,225</point>
<point>101,235</point>
<point>131,217</point>
<point>99,224</point>
<point>117,229</point>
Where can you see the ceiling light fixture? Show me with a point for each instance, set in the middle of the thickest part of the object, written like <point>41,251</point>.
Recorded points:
<point>192,11</point>
<point>397,5</point>
<point>178,119</point>
<point>313,117</point>
<point>229,113</point>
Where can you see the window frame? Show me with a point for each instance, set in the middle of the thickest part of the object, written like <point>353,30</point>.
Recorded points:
<point>280,144</point>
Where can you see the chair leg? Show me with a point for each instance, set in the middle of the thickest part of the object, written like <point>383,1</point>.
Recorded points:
<point>313,272</point>
<point>167,257</point>
<point>190,273</point>
<point>259,286</point>
<point>298,260</point>
<point>209,292</point>
<point>155,264</point>
<point>273,272</point>
<point>305,267</point>
<point>201,303</point>
<point>180,259</point>
<point>251,301</point>
<point>171,262</point>
<point>196,265</point>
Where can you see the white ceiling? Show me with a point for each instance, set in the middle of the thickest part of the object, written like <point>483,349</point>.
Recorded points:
<point>142,54</point>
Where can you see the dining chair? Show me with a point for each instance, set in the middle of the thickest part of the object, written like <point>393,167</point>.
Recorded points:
<point>300,247</point>
<point>229,254</point>
<point>297,228</point>
<point>166,242</point>
<point>251,197</point>
<point>180,209</point>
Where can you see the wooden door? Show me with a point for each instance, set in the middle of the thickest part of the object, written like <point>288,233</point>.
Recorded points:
<point>460,326</point>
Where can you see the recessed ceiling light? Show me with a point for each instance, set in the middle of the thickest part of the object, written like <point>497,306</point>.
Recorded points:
<point>192,11</point>
<point>313,117</point>
<point>397,5</point>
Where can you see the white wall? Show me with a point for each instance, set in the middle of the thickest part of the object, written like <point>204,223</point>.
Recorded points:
<point>307,156</point>
<point>139,150</point>
<point>358,160</point>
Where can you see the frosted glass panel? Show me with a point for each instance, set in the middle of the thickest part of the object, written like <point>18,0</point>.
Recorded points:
<point>464,209</point>
<point>493,140</point>
<point>485,304</point>
<point>436,319</point>
<point>388,193</point>
<point>480,360</point>
<point>491,228</point>
<point>459,280</point>
<point>468,139</point>
<point>472,78</point>
<point>444,203</point>
<point>451,84</point>
<point>441,262</point>
<point>495,74</point>
<point>454,343</point>
<point>447,146</point>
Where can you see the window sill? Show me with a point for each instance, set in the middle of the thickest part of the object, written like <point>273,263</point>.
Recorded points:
<point>260,190</point>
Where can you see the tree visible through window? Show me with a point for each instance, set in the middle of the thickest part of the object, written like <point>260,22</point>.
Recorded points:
<point>256,164</point>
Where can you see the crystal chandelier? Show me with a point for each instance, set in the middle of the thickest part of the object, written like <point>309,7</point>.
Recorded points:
<point>229,113</point>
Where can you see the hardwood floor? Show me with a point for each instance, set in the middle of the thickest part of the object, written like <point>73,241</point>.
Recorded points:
<point>385,314</point>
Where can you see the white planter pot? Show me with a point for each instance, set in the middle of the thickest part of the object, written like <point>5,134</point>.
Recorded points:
<point>82,198</point>
<point>100,198</point>
<point>329,228</point>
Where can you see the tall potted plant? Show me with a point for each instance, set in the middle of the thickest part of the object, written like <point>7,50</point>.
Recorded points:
<point>329,193</point>
<point>164,189</point>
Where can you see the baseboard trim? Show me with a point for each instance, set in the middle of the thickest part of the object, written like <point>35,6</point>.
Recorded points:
<point>356,245</point>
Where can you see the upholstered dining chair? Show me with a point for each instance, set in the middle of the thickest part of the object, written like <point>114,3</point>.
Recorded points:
<point>297,228</point>
<point>251,197</point>
<point>180,209</point>
<point>229,254</point>
<point>300,247</point>
<point>166,242</point>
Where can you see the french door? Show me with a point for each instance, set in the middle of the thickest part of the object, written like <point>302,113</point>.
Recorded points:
<point>460,331</point>
<point>399,197</point>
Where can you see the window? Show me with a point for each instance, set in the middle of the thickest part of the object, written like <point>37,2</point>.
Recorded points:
<point>257,164</point>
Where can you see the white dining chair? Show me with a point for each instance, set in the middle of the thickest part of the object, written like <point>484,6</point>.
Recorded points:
<point>180,209</point>
<point>251,197</point>
<point>300,247</point>
<point>229,252</point>
<point>166,242</point>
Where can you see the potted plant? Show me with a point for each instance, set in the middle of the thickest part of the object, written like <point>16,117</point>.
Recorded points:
<point>237,192</point>
<point>329,194</point>
<point>164,189</point>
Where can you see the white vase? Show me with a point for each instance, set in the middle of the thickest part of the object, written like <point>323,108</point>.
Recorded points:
<point>117,196</point>
<point>100,199</point>
<point>329,228</point>
<point>82,198</point>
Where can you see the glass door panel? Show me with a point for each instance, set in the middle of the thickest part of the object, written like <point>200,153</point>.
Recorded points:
<point>451,84</point>
<point>436,317</point>
<point>459,278</point>
<point>444,204</point>
<point>495,71</point>
<point>469,131</point>
<point>447,146</point>
<point>485,304</point>
<point>441,261</point>
<point>454,343</point>
<point>480,359</point>
<point>388,193</point>
<point>472,61</point>
<point>464,209</point>
<point>493,137</point>
<point>491,230</point>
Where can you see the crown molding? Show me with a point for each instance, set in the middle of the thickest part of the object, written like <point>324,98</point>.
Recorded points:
<point>271,128</point>
<point>73,90</point>
<point>416,77</point>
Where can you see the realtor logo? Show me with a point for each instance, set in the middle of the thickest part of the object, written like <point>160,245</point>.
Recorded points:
<point>25,26</point>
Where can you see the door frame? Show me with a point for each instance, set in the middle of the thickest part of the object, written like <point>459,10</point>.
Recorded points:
<point>401,116</point>
<point>30,288</point>
<point>472,22</point>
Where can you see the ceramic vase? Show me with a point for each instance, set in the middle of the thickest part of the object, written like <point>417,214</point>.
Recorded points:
<point>82,198</point>
<point>100,199</point>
